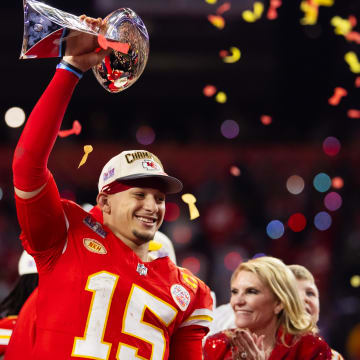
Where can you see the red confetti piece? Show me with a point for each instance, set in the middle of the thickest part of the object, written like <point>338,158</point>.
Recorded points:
<point>118,46</point>
<point>353,114</point>
<point>339,93</point>
<point>352,20</point>
<point>223,53</point>
<point>76,129</point>
<point>357,81</point>
<point>353,36</point>
<point>223,8</point>
<point>217,20</point>
<point>272,11</point>
<point>266,119</point>
<point>209,90</point>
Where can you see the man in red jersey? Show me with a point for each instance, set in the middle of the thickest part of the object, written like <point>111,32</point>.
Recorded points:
<point>99,295</point>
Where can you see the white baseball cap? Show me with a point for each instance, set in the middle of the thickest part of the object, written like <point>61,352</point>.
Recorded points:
<point>26,264</point>
<point>137,164</point>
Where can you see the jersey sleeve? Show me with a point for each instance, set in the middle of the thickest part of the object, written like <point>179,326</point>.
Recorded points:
<point>43,223</point>
<point>201,311</point>
<point>41,217</point>
<point>217,347</point>
<point>186,343</point>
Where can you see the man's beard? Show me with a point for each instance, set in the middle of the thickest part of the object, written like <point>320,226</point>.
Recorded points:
<point>142,237</point>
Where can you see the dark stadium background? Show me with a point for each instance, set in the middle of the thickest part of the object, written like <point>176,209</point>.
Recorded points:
<point>287,70</point>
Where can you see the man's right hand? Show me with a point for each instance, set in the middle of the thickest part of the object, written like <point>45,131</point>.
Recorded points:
<point>80,47</point>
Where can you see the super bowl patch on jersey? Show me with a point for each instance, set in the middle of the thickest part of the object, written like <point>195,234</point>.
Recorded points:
<point>94,246</point>
<point>181,296</point>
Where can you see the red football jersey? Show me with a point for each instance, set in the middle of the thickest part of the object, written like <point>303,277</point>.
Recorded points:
<point>23,337</point>
<point>98,300</point>
<point>7,325</point>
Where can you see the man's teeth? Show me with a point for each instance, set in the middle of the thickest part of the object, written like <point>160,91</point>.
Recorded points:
<point>150,221</point>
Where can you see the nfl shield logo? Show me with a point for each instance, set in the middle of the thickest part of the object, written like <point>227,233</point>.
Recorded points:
<point>141,269</point>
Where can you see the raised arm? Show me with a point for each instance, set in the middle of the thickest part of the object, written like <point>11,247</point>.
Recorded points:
<point>37,199</point>
<point>39,135</point>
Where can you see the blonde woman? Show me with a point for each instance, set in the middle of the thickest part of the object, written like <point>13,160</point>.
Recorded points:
<point>270,318</point>
<point>309,293</point>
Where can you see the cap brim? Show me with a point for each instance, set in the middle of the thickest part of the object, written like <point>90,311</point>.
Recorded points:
<point>165,183</point>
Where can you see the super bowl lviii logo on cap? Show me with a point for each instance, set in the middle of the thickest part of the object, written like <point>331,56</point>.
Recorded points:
<point>109,174</point>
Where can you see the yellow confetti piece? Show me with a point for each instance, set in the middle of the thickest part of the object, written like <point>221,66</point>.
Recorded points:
<point>154,245</point>
<point>324,2</point>
<point>311,13</point>
<point>353,62</point>
<point>191,200</point>
<point>221,97</point>
<point>258,9</point>
<point>250,16</point>
<point>234,57</point>
<point>342,26</point>
<point>217,20</point>
<point>87,150</point>
<point>211,1</point>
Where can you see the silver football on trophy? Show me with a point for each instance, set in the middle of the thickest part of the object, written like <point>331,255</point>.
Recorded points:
<point>120,69</point>
<point>46,29</point>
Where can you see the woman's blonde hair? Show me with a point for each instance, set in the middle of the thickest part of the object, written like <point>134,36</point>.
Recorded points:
<point>281,281</point>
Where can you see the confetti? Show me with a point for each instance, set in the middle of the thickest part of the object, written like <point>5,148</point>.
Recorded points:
<point>191,200</point>
<point>221,97</point>
<point>234,57</point>
<point>342,26</point>
<point>339,93</point>
<point>352,20</point>
<point>209,90</point>
<point>76,129</point>
<point>87,150</point>
<point>223,53</point>
<point>118,46</point>
<point>272,11</point>
<point>353,114</point>
<point>250,16</point>
<point>353,62</point>
<point>353,36</point>
<point>323,2</point>
<point>266,119</point>
<point>217,20</point>
<point>357,82</point>
<point>211,1</point>
<point>311,12</point>
<point>223,8</point>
